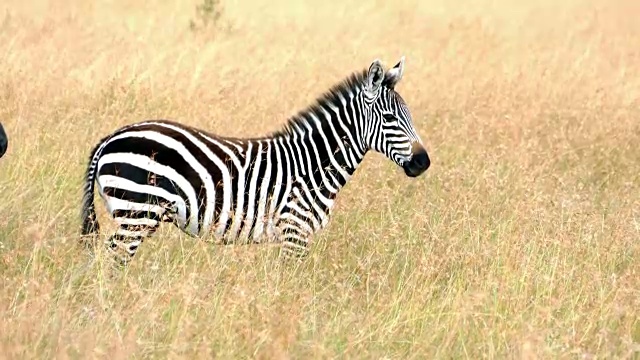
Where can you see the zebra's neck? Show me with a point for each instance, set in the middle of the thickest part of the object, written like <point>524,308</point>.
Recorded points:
<point>326,137</point>
<point>327,150</point>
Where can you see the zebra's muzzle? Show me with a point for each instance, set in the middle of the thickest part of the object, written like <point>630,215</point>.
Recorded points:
<point>419,162</point>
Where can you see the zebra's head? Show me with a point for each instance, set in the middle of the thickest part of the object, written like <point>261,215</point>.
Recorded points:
<point>388,121</point>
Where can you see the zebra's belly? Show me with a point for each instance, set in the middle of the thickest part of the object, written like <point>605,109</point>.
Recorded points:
<point>256,231</point>
<point>257,227</point>
<point>175,211</point>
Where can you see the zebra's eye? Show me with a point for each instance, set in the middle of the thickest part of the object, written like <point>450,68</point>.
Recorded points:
<point>389,117</point>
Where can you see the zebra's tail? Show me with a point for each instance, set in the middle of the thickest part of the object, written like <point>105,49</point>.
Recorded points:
<point>89,219</point>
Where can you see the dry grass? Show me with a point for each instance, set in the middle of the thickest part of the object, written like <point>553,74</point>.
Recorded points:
<point>521,241</point>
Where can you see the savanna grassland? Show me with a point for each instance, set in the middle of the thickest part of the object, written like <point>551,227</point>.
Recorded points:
<point>521,241</point>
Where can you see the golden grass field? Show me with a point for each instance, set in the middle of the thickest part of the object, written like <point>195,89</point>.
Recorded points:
<point>521,241</point>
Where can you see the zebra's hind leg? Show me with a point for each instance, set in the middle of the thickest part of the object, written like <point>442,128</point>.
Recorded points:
<point>134,227</point>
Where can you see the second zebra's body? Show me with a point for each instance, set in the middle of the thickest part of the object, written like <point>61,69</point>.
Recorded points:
<point>4,141</point>
<point>277,188</point>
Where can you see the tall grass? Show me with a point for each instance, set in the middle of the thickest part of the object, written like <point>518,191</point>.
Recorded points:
<point>521,241</point>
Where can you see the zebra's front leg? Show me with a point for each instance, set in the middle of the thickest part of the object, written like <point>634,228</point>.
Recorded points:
<point>296,237</point>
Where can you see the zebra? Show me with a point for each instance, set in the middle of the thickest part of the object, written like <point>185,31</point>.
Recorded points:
<point>4,141</point>
<point>278,188</point>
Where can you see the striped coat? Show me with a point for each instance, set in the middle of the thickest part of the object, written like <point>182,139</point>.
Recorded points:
<point>280,187</point>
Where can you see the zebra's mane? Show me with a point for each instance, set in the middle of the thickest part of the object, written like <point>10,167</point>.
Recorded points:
<point>349,85</point>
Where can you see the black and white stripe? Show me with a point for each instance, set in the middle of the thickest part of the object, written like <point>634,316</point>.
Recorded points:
<point>279,187</point>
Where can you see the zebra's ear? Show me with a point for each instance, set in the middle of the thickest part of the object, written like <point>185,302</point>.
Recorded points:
<point>394,75</point>
<point>375,76</point>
